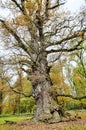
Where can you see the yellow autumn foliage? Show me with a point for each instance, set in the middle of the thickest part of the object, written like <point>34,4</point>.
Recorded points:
<point>56,74</point>
<point>22,20</point>
<point>78,78</point>
<point>32,6</point>
<point>29,7</point>
<point>29,13</point>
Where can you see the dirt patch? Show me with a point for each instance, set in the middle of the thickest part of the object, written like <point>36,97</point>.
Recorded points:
<point>31,125</point>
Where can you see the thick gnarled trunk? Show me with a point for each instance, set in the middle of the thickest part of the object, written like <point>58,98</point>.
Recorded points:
<point>41,84</point>
<point>46,105</point>
<point>41,95</point>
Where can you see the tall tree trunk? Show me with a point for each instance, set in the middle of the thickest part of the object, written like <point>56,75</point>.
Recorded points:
<point>41,83</point>
<point>46,105</point>
<point>0,102</point>
<point>40,92</point>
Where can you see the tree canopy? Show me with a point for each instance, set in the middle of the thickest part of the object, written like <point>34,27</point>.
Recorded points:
<point>37,36</point>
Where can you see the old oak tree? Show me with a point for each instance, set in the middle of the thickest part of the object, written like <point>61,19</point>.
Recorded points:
<point>37,35</point>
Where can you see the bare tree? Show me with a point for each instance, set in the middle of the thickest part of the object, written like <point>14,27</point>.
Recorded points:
<point>39,30</point>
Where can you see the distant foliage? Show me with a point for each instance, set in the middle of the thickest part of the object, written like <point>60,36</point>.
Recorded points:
<point>59,86</point>
<point>27,105</point>
<point>58,80</point>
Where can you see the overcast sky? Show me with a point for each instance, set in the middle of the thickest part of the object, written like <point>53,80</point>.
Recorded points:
<point>75,5</point>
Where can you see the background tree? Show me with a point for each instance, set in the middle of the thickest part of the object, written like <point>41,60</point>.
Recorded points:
<point>77,74</point>
<point>38,30</point>
<point>4,87</point>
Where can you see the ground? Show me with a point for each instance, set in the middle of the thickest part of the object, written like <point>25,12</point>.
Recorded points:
<point>78,124</point>
<point>28,125</point>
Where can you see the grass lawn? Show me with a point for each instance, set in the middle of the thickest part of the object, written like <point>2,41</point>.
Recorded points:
<point>9,127</point>
<point>14,118</point>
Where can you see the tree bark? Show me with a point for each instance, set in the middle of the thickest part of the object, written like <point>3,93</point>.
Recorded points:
<point>41,95</point>
<point>46,105</point>
<point>41,83</point>
<point>0,102</point>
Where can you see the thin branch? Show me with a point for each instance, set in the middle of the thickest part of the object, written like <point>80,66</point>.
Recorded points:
<point>46,8</point>
<point>16,3</point>
<point>55,6</point>
<point>76,47</point>
<point>76,34</point>
<point>16,91</point>
<point>20,43</point>
<point>67,38</point>
<point>19,92</point>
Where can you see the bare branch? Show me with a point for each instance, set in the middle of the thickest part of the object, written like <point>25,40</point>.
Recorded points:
<point>20,43</point>
<point>57,5</point>
<point>67,38</point>
<point>16,3</point>
<point>16,91</point>
<point>46,8</point>
<point>76,47</point>
<point>19,92</point>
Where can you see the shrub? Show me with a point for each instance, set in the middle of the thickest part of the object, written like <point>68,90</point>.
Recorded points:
<point>27,105</point>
